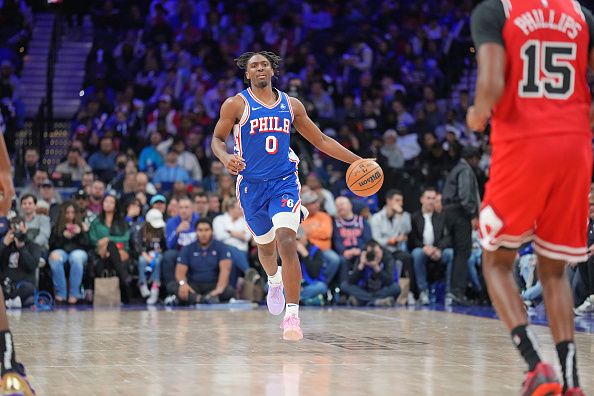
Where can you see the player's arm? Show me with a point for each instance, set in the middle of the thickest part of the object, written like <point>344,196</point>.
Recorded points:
<point>231,110</point>
<point>6,185</point>
<point>306,127</point>
<point>486,25</point>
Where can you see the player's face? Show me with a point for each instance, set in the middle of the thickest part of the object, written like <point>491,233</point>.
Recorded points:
<point>259,71</point>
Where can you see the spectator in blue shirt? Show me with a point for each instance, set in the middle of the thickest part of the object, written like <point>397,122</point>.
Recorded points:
<point>103,162</point>
<point>180,231</point>
<point>203,269</point>
<point>169,173</point>
<point>150,158</point>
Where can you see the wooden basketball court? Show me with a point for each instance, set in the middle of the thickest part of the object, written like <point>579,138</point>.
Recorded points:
<point>240,352</point>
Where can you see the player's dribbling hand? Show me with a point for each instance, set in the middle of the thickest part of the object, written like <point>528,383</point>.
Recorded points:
<point>475,120</point>
<point>234,164</point>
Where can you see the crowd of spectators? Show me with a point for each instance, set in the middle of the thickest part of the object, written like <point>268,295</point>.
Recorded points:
<point>154,206</point>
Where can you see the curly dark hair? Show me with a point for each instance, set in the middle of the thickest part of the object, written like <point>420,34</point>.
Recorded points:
<point>273,58</point>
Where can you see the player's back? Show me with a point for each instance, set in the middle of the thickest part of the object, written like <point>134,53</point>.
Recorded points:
<point>262,138</point>
<point>547,51</point>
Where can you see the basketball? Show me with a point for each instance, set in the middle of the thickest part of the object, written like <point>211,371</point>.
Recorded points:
<point>364,177</point>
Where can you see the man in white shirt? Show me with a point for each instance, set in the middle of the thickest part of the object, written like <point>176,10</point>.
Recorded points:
<point>231,229</point>
<point>429,242</point>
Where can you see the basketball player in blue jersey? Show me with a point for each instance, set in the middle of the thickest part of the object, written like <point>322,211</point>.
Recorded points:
<point>14,382</point>
<point>267,183</point>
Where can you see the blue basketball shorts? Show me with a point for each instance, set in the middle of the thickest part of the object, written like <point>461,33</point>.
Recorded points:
<point>269,205</point>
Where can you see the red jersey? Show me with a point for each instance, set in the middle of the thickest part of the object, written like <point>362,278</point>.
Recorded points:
<point>547,45</point>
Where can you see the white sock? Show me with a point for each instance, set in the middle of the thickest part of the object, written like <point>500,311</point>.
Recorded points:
<point>275,279</point>
<point>292,309</point>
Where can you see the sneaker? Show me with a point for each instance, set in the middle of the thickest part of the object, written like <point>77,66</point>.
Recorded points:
<point>453,299</point>
<point>384,302</point>
<point>15,384</point>
<point>171,300</point>
<point>14,303</point>
<point>411,299</point>
<point>144,290</point>
<point>353,301</point>
<point>275,299</point>
<point>291,326</point>
<point>424,297</point>
<point>317,301</point>
<point>542,381</point>
<point>574,392</point>
<point>154,296</point>
<point>586,308</point>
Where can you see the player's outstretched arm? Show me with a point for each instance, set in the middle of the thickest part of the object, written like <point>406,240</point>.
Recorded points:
<point>306,127</point>
<point>231,110</point>
<point>6,185</point>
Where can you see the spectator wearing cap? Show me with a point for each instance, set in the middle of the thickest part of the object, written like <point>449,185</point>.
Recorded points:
<point>164,115</point>
<point>74,167</point>
<point>158,202</point>
<point>391,151</point>
<point>48,194</point>
<point>148,244</point>
<point>96,197</point>
<point>231,229</point>
<point>41,175</point>
<point>103,162</point>
<point>38,226</point>
<point>318,228</point>
<point>68,244</point>
<point>170,172</point>
<point>461,202</point>
<point>82,207</point>
<point>150,157</point>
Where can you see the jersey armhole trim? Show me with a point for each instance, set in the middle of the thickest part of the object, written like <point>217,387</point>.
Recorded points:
<point>290,106</point>
<point>507,6</point>
<point>246,112</point>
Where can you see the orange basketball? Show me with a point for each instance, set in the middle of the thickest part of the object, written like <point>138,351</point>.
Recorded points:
<point>364,177</point>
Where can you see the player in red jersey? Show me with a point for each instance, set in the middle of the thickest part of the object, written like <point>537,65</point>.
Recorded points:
<point>533,57</point>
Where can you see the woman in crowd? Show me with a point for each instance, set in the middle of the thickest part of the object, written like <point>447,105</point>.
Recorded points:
<point>110,235</point>
<point>149,244</point>
<point>68,244</point>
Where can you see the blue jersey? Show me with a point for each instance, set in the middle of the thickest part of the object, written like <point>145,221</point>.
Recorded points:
<point>262,138</point>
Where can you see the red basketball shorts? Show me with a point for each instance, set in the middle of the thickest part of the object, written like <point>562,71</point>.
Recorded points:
<point>538,190</point>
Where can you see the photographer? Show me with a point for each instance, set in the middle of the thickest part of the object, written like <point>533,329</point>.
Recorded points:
<point>19,257</point>
<point>372,281</point>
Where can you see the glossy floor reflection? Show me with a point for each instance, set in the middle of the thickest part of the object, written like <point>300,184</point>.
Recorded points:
<point>240,352</point>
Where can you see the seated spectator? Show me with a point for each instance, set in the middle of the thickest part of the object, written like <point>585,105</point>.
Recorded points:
<point>134,216</point>
<point>170,172</point>
<point>211,182</point>
<point>390,228</point>
<point>41,175</point>
<point>165,115</point>
<point>313,182</point>
<point>158,202</point>
<point>226,188</point>
<point>429,242</point>
<point>231,229</point>
<point>214,204</point>
<point>38,226</point>
<point>20,257</point>
<point>201,206</point>
<point>318,228</point>
<point>527,276</point>
<point>180,231</point>
<point>186,159</point>
<point>350,234</point>
<point>73,168</point>
<point>143,185</point>
<point>103,162</point>
<point>24,173</point>
<point>48,194</point>
<point>68,244</point>
<point>149,245</point>
<point>82,207</point>
<point>172,208</point>
<point>373,280</point>
<point>87,181</point>
<point>96,197</point>
<point>203,269</point>
<point>317,272</point>
<point>586,269</point>
<point>150,158</point>
<point>109,235</point>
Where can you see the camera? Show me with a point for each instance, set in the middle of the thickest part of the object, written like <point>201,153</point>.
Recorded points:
<point>15,223</point>
<point>370,255</point>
